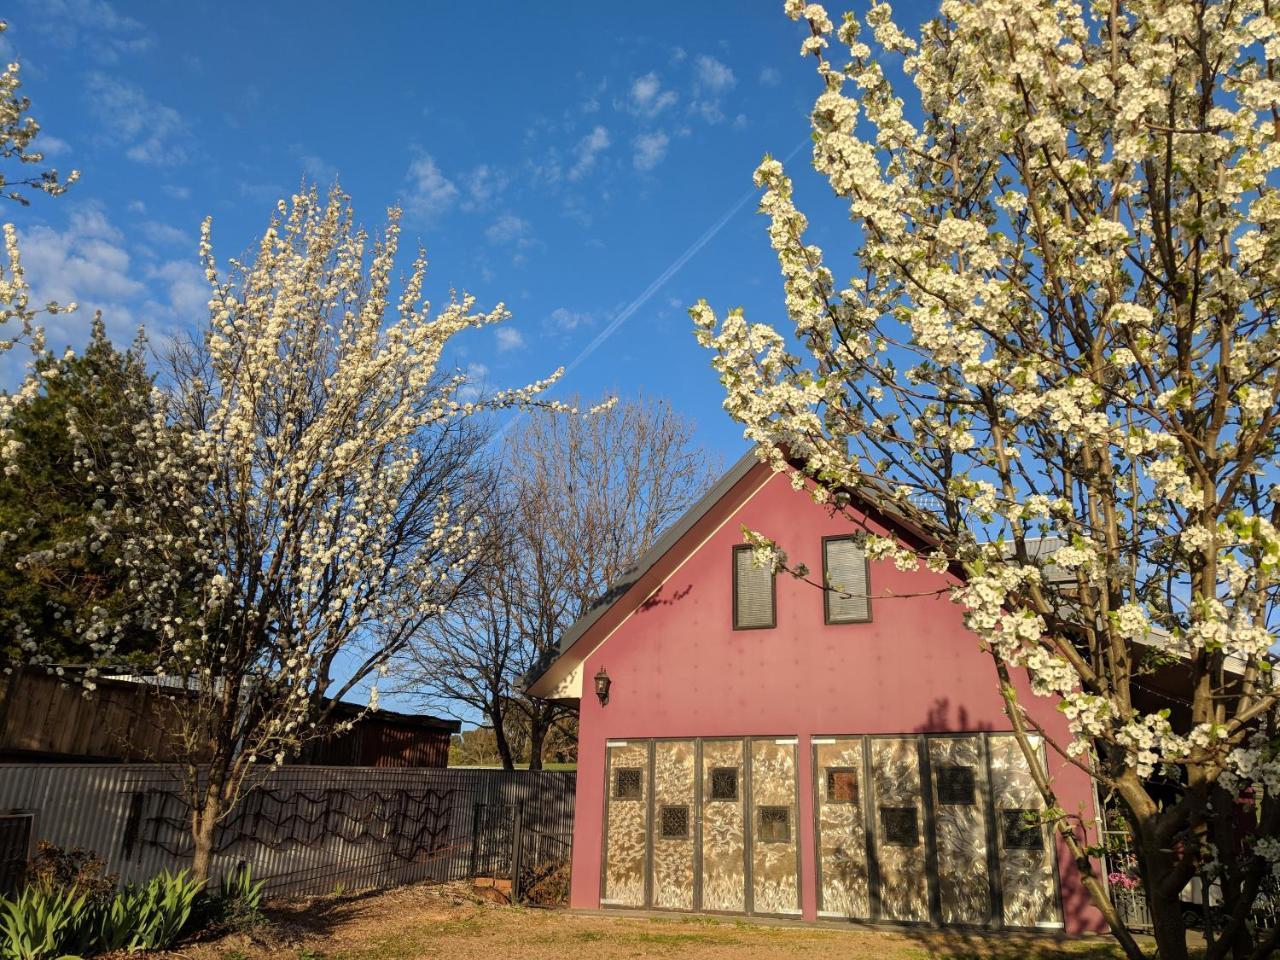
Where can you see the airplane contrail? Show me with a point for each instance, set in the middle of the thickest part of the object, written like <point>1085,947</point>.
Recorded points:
<point>629,310</point>
<point>660,280</point>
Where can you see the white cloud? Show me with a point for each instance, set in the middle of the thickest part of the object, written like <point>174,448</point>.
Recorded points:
<point>150,132</point>
<point>650,148</point>
<point>166,235</point>
<point>94,26</point>
<point>483,185</point>
<point>509,338</point>
<point>51,146</point>
<point>770,77</point>
<point>177,192</point>
<point>508,228</point>
<point>562,318</point>
<point>470,391</point>
<point>712,79</point>
<point>589,147</point>
<point>740,122</point>
<point>431,193</point>
<point>318,169</point>
<point>187,288</point>
<point>648,99</point>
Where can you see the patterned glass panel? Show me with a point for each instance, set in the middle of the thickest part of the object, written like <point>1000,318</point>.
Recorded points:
<point>1022,830</point>
<point>626,783</point>
<point>845,566</point>
<point>842,785</point>
<point>675,822</point>
<point>775,825</point>
<point>752,591</point>
<point>956,785</point>
<point>724,783</point>
<point>898,826</point>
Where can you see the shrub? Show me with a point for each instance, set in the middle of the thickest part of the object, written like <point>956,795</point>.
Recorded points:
<point>60,868</point>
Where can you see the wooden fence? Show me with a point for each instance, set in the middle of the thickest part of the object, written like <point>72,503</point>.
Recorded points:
<point>308,830</point>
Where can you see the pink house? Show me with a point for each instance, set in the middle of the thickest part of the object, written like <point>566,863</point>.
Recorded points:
<point>767,747</point>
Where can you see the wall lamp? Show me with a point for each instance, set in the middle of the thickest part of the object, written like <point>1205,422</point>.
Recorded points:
<point>603,683</point>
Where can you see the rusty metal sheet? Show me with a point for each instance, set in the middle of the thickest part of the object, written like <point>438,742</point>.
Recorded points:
<point>1027,862</point>
<point>674,815</point>
<point>723,853</point>
<point>899,825</point>
<point>775,881</point>
<point>839,798</point>
<point>626,824</point>
<point>958,767</point>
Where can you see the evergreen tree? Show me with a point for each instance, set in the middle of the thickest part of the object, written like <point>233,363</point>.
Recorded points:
<point>55,564</point>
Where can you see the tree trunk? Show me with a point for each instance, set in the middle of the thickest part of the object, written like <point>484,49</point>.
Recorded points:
<point>1167,925</point>
<point>497,718</point>
<point>204,827</point>
<point>538,727</point>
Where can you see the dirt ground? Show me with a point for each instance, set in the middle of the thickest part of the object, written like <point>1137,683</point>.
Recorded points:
<point>457,922</point>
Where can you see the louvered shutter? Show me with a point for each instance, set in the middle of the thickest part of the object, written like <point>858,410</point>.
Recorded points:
<point>844,564</point>
<point>752,592</point>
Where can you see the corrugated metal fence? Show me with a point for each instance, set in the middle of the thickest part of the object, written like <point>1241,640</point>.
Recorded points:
<point>306,830</point>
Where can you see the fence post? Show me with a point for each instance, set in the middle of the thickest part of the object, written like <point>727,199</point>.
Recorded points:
<point>517,850</point>
<point>475,841</point>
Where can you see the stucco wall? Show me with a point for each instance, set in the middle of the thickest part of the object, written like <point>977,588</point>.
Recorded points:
<point>680,670</point>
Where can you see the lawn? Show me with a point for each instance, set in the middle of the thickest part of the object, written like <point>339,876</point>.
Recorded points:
<point>453,922</point>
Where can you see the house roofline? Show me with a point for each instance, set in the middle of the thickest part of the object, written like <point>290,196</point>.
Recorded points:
<point>871,493</point>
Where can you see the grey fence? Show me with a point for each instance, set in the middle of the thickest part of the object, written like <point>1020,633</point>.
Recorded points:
<point>308,830</point>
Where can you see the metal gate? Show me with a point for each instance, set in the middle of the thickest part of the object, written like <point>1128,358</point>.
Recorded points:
<point>15,849</point>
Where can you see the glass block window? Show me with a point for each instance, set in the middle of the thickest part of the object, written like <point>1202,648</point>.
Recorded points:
<point>842,785</point>
<point>845,576</point>
<point>956,785</point>
<point>775,825</point>
<point>1022,830</point>
<point>752,592</point>
<point>674,821</point>
<point>724,783</point>
<point>627,783</point>
<point>898,826</point>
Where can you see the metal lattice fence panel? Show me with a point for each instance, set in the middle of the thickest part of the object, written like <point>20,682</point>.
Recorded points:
<point>304,830</point>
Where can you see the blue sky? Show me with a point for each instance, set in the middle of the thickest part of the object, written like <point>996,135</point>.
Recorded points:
<point>561,157</point>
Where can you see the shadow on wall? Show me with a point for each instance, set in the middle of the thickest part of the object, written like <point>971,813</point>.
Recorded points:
<point>939,720</point>
<point>664,599</point>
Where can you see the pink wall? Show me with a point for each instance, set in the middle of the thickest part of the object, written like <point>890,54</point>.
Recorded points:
<point>680,670</point>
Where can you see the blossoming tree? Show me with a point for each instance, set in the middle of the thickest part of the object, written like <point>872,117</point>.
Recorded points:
<point>311,453</point>
<point>1062,330</point>
<point>18,316</point>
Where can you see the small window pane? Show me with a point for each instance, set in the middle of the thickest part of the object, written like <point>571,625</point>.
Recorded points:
<point>898,826</point>
<point>842,785</point>
<point>752,592</point>
<point>675,822</point>
<point>956,785</point>
<point>775,825</point>
<point>844,568</point>
<point>724,783</point>
<point>626,783</point>
<point>1022,830</point>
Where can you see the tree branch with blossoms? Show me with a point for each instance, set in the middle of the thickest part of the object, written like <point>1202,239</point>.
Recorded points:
<point>1062,333</point>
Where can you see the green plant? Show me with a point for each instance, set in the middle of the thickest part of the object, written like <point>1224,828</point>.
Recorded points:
<point>161,908</point>
<point>238,904</point>
<point>44,923</point>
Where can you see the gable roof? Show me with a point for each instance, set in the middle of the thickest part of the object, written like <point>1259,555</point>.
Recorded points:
<point>558,675</point>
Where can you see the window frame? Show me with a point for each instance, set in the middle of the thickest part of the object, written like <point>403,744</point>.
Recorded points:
<point>773,593</point>
<point>827,590</point>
